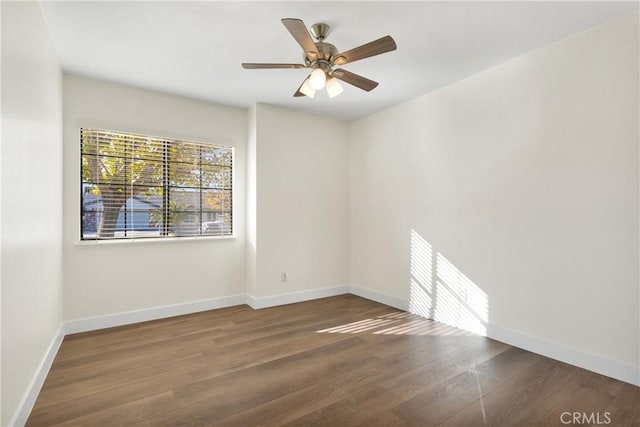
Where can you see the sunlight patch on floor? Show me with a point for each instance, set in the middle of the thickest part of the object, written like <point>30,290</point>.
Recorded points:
<point>400,323</point>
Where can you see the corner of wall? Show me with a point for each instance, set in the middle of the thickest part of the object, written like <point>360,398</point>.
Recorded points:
<point>31,243</point>
<point>28,399</point>
<point>251,203</point>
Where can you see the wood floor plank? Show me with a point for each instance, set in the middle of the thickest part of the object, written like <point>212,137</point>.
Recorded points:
<point>383,419</point>
<point>584,393</point>
<point>48,414</point>
<point>353,409</point>
<point>625,406</point>
<point>435,404</point>
<point>320,393</point>
<point>102,383</point>
<point>340,361</point>
<point>212,400</point>
<point>514,400</point>
<point>415,381</point>
<point>139,410</point>
<point>441,399</point>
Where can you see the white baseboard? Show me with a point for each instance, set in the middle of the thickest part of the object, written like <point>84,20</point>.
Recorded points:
<point>385,299</point>
<point>29,399</point>
<point>144,315</point>
<point>293,297</point>
<point>611,368</point>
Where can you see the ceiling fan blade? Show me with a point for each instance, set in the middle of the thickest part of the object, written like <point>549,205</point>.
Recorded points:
<point>354,79</point>
<point>256,66</point>
<point>376,47</point>
<point>298,93</point>
<point>299,32</point>
<point>305,89</point>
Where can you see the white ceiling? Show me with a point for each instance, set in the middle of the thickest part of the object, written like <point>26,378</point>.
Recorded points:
<point>195,49</point>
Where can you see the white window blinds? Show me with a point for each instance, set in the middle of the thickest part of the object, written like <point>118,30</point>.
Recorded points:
<point>137,186</point>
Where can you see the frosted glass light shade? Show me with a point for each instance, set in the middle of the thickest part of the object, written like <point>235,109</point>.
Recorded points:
<point>334,88</point>
<point>317,79</point>
<point>307,89</point>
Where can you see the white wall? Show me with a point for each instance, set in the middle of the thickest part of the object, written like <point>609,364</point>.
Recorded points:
<point>111,278</point>
<point>521,187</point>
<point>301,202</point>
<point>31,199</point>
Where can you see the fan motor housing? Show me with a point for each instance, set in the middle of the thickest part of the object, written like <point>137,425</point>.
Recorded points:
<point>326,51</point>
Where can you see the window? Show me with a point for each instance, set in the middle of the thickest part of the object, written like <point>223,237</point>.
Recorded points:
<point>137,187</point>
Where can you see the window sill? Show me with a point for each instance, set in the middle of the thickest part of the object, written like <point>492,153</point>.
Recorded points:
<point>152,240</point>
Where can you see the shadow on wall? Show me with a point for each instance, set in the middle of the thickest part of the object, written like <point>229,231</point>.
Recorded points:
<point>439,291</point>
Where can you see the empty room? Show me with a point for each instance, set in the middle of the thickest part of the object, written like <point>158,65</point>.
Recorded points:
<point>337,213</point>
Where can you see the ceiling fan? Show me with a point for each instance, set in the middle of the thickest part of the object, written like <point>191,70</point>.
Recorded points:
<point>321,57</point>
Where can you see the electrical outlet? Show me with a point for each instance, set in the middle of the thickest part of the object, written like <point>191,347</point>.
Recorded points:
<point>283,277</point>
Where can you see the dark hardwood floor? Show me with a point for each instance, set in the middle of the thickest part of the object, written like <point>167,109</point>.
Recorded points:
<point>337,361</point>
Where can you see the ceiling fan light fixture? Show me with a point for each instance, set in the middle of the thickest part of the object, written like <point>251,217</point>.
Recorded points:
<point>307,89</point>
<point>334,88</point>
<point>321,57</point>
<point>317,79</point>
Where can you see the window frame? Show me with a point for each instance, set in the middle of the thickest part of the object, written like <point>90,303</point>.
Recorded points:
<point>166,187</point>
